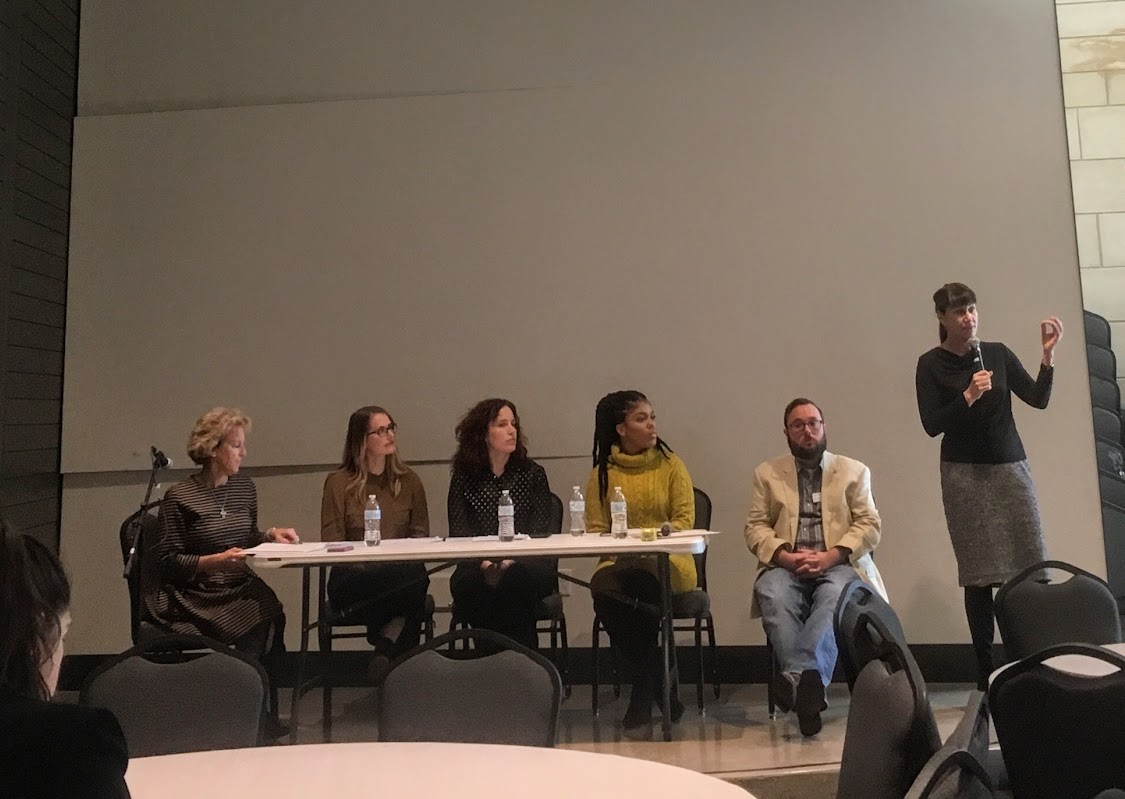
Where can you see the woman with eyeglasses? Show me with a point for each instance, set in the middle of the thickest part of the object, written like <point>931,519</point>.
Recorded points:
<point>964,389</point>
<point>389,598</point>
<point>500,594</point>
<point>657,488</point>
<point>46,748</point>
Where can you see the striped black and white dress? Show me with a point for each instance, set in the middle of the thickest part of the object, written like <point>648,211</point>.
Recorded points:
<point>198,520</point>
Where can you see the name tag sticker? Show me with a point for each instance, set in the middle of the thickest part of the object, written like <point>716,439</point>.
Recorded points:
<point>816,496</point>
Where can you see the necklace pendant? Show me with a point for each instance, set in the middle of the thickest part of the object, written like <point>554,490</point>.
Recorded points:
<point>222,513</point>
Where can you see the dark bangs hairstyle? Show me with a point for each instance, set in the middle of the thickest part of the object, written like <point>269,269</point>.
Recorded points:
<point>952,295</point>
<point>471,456</point>
<point>611,411</point>
<point>34,594</point>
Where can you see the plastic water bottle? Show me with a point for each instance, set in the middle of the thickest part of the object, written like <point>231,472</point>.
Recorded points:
<point>618,514</point>
<point>577,512</point>
<point>372,519</point>
<point>506,514</point>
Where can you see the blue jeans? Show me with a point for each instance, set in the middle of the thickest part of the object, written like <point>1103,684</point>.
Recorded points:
<point>797,615</point>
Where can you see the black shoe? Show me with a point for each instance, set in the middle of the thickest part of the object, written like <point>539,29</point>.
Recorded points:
<point>274,729</point>
<point>783,692</point>
<point>809,702</point>
<point>677,711</point>
<point>638,718</point>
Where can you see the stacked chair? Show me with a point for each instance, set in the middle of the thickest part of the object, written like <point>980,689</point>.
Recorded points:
<point>1109,433</point>
<point>1061,734</point>
<point>892,747</point>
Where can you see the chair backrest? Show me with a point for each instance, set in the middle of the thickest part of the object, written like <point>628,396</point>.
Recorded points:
<point>1111,457</point>
<point>1061,734</point>
<point>1097,329</point>
<point>856,599</point>
<point>1105,394</point>
<point>510,697</point>
<point>1113,528</point>
<point>556,514</point>
<point>1112,488</point>
<point>971,733</point>
<point>952,773</point>
<point>181,693</point>
<point>702,522</point>
<point>1101,361</point>
<point>891,731</point>
<point>138,531</point>
<point>1033,615</point>
<point>1107,425</point>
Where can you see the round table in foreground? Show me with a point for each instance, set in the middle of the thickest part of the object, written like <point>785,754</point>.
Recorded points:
<point>423,769</point>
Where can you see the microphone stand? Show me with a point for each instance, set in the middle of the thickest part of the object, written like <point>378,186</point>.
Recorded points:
<point>135,524</point>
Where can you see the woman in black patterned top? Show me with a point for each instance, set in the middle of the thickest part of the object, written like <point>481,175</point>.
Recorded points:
<point>206,521</point>
<point>491,457</point>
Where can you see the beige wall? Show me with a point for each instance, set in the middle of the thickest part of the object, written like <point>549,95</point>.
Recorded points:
<point>836,162</point>
<point>1092,47</point>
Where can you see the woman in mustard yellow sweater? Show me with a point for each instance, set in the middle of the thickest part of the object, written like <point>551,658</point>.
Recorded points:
<point>657,488</point>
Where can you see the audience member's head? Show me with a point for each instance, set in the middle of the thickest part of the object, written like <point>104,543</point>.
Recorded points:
<point>34,615</point>
<point>805,429</point>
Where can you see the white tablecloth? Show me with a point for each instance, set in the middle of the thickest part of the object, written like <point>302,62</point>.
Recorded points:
<point>415,769</point>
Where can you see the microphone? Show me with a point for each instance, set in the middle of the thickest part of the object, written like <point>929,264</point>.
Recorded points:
<point>978,359</point>
<point>160,460</point>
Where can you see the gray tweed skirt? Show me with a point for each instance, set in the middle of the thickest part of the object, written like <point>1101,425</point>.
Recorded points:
<point>993,520</point>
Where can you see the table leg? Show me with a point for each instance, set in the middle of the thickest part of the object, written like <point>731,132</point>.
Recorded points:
<point>666,642</point>
<point>295,706</point>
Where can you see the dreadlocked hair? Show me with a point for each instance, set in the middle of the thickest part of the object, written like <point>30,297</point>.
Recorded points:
<point>611,411</point>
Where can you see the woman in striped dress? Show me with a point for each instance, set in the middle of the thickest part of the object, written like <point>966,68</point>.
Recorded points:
<point>206,523</point>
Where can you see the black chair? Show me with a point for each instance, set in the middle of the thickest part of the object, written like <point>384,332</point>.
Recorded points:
<point>1107,425</point>
<point>550,616</point>
<point>1033,615</point>
<point>1101,361</point>
<point>182,693</point>
<point>854,651</point>
<point>137,537</point>
<point>1061,734</point>
<point>891,732</point>
<point>1097,329</point>
<point>1113,529</point>
<point>1105,394</point>
<point>693,606</point>
<point>952,773</point>
<point>510,697</point>
<point>337,626</point>
<point>1111,457</point>
<point>1112,488</point>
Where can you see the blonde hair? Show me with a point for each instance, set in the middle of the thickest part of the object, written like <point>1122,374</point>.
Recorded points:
<point>211,428</point>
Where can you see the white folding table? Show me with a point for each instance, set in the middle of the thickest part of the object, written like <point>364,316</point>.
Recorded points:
<point>447,551</point>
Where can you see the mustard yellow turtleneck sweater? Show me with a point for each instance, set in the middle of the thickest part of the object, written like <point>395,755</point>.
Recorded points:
<point>658,489</point>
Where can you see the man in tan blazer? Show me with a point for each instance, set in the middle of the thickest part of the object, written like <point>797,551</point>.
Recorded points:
<point>812,525</point>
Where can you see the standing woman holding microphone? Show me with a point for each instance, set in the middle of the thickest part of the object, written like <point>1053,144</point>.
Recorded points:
<point>964,389</point>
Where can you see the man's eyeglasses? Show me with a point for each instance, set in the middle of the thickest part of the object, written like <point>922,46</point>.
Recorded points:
<point>382,431</point>
<point>812,424</point>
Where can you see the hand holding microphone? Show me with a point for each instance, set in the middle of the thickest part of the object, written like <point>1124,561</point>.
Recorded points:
<point>982,378</point>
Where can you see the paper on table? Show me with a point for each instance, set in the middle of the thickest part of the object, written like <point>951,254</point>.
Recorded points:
<point>286,549</point>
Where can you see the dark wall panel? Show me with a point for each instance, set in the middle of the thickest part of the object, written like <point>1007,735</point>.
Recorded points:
<point>38,94</point>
